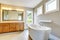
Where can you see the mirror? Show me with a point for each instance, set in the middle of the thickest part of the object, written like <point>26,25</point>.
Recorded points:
<point>12,15</point>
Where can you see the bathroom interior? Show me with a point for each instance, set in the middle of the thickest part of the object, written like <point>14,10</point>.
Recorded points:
<point>29,20</point>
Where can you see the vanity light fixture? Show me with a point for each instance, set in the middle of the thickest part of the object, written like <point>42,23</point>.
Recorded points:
<point>6,8</point>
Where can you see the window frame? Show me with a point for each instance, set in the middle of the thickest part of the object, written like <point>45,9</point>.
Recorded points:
<point>55,10</point>
<point>22,15</point>
<point>29,11</point>
<point>41,10</point>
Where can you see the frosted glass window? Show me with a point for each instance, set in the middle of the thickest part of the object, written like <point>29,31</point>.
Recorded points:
<point>51,5</point>
<point>39,10</point>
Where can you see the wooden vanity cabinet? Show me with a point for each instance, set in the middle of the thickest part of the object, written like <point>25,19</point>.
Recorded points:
<point>11,27</point>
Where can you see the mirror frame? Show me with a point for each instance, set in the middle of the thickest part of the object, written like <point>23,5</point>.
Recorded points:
<point>12,19</point>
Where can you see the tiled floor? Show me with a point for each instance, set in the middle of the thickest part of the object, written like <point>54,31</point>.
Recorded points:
<point>15,36</point>
<point>22,35</point>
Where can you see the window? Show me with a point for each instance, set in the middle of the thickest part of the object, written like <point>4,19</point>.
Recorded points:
<point>51,5</point>
<point>39,10</point>
<point>29,17</point>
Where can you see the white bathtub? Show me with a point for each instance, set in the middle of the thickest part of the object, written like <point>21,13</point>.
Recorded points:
<point>39,32</point>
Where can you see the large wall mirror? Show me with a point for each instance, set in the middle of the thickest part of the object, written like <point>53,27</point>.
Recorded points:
<point>12,15</point>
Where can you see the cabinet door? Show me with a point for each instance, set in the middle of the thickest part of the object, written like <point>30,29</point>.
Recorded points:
<point>0,28</point>
<point>17,26</point>
<point>12,27</point>
<point>5,27</point>
<point>22,26</point>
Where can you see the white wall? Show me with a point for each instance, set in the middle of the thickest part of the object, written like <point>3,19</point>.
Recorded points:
<point>55,24</point>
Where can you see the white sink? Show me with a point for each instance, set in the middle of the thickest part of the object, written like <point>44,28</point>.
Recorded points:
<point>39,32</point>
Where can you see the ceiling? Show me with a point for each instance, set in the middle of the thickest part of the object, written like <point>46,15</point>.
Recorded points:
<point>22,3</point>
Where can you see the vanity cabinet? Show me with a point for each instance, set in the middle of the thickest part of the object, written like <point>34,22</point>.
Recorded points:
<point>11,27</point>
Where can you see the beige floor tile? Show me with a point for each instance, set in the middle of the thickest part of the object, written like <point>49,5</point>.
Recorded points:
<point>15,36</point>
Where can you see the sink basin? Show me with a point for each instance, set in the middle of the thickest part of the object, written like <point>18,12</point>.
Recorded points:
<point>39,32</point>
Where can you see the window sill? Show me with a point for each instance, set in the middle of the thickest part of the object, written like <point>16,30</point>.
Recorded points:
<point>52,11</point>
<point>40,15</point>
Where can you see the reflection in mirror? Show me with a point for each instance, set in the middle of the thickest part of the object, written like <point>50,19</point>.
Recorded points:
<point>12,15</point>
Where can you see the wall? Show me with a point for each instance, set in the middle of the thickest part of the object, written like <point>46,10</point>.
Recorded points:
<point>55,24</point>
<point>0,13</point>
